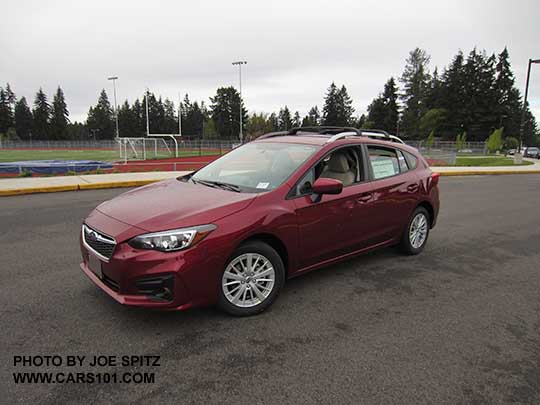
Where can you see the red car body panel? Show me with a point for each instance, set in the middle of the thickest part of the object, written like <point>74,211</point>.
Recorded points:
<point>307,234</point>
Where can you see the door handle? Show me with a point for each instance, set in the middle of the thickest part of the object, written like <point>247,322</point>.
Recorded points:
<point>413,188</point>
<point>364,198</point>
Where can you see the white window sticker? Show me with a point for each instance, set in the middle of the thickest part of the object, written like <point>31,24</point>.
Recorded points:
<point>383,168</point>
<point>263,185</point>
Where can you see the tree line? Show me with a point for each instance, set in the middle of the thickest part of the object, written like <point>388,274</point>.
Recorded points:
<point>472,97</point>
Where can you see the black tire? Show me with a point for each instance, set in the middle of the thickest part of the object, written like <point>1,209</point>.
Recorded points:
<point>406,245</point>
<point>273,257</point>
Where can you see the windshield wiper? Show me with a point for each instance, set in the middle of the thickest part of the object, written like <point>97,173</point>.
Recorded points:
<point>218,184</point>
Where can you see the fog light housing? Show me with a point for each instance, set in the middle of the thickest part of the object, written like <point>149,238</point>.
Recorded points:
<point>159,288</point>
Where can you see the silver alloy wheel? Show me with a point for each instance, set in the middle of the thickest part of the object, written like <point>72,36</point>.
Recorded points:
<point>248,280</point>
<point>418,230</point>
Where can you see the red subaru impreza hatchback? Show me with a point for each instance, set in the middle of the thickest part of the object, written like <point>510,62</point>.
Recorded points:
<point>232,232</point>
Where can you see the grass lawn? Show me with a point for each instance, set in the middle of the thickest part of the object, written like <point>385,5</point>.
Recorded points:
<point>102,155</point>
<point>488,161</point>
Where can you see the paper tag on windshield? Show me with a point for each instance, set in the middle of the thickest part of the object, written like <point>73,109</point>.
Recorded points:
<point>263,185</point>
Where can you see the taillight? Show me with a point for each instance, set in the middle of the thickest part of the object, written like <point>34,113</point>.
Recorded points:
<point>435,178</point>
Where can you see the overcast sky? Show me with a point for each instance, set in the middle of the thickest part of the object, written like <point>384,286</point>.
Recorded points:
<point>294,48</point>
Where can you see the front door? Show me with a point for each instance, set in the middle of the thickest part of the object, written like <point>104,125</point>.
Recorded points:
<point>330,226</point>
<point>335,225</point>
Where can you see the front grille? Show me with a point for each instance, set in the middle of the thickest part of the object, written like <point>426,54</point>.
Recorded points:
<point>101,244</point>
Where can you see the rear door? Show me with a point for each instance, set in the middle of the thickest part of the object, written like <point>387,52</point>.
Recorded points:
<point>395,188</point>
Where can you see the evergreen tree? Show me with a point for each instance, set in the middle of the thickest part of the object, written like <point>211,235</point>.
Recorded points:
<point>100,119</point>
<point>415,81</point>
<point>313,118</point>
<point>376,113</point>
<point>170,119</point>
<point>330,109</point>
<point>284,119</point>
<point>345,108</point>
<point>77,130</point>
<point>194,116</point>
<point>129,120</point>
<point>361,121</point>
<point>530,129</point>
<point>390,96</point>
<point>258,124</point>
<point>156,113</point>
<point>225,111</point>
<point>23,119</point>
<point>434,92</point>
<point>6,113</point>
<point>210,130</point>
<point>41,115</point>
<point>383,111</point>
<point>508,105</point>
<point>138,113</point>
<point>11,99</point>
<point>273,122</point>
<point>454,99</point>
<point>337,108</point>
<point>480,96</point>
<point>59,116</point>
<point>297,121</point>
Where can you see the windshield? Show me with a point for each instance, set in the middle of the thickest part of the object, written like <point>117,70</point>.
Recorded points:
<point>255,167</point>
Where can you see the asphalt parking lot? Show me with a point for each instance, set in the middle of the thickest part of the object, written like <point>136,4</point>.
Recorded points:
<point>458,323</point>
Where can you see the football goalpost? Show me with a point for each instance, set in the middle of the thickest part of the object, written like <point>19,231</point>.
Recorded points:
<point>136,148</point>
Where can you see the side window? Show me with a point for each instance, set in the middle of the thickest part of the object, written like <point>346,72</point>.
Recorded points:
<point>384,162</point>
<point>304,185</point>
<point>403,167</point>
<point>344,164</point>
<point>411,160</point>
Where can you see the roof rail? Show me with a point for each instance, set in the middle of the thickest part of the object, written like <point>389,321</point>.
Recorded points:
<point>336,133</point>
<point>370,133</point>
<point>342,135</point>
<point>376,131</point>
<point>324,130</point>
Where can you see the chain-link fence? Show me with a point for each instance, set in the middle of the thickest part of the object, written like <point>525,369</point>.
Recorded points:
<point>112,144</point>
<point>440,153</point>
<point>437,153</point>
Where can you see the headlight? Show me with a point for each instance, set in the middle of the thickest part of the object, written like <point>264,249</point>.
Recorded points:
<point>175,239</point>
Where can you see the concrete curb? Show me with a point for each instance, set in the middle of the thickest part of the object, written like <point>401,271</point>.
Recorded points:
<point>75,187</point>
<point>137,183</point>
<point>485,172</point>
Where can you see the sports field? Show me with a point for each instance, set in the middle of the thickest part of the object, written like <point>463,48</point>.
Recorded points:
<point>16,155</point>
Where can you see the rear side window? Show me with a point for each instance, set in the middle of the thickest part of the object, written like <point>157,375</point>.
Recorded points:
<point>384,162</point>
<point>403,167</point>
<point>411,160</point>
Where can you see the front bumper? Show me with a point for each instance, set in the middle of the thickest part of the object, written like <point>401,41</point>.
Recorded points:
<point>139,300</point>
<point>148,278</point>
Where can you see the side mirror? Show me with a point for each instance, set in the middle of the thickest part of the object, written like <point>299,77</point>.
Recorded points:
<point>327,186</point>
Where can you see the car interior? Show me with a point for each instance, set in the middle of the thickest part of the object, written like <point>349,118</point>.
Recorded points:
<point>344,165</point>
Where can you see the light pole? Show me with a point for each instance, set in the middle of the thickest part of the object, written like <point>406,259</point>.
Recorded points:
<point>239,64</point>
<point>114,78</point>
<point>521,127</point>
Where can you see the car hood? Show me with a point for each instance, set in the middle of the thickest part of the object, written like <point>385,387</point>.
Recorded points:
<point>174,204</point>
